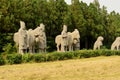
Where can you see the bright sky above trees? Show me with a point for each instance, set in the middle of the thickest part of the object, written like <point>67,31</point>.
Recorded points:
<point>110,4</point>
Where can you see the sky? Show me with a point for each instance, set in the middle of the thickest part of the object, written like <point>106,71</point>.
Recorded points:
<point>110,4</point>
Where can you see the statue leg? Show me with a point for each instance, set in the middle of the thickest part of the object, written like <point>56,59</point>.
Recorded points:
<point>99,47</point>
<point>94,48</point>
<point>62,48</point>
<point>70,48</point>
<point>58,48</point>
<point>33,49</point>
<point>21,51</point>
<point>30,50</point>
<point>117,47</point>
<point>78,46</point>
<point>111,47</point>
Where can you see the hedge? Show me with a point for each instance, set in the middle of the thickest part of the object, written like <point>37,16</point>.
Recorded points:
<point>54,56</point>
<point>2,61</point>
<point>14,58</point>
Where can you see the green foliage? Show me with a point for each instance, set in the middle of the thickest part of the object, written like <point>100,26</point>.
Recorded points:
<point>116,53</point>
<point>68,55</point>
<point>108,52</point>
<point>60,56</point>
<point>14,58</point>
<point>96,53</point>
<point>85,54</point>
<point>40,58</point>
<point>2,61</point>
<point>91,20</point>
<point>51,57</point>
<point>9,49</point>
<point>54,56</point>
<point>27,58</point>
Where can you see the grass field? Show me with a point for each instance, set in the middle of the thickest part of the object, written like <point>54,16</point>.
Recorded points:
<point>99,68</point>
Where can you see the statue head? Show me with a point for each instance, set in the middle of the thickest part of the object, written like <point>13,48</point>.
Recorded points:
<point>76,33</point>
<point>65,28</point>
<point>29,29</point>
<point>42,26</point>
<point>22,25</point>
<point>75,29</point>
<point>118,38</point>
<point>100,38</point>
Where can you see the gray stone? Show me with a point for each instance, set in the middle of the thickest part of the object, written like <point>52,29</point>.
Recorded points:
<point>98,43</point>
<point>116,44</point>
<point>22,38</point>
<point>67,40</point>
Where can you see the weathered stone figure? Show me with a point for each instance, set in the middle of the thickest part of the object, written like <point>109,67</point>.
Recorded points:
<point>72,41</point>
<point>42,38</point>
<point>64,42</point>
<point>16,40</point>
<point>58,41</point>
<point>116,44</point>
<point>31,40</point>
<point>98,43</point>
<point>22,38</point>
<point>69,40</point>
<point>76,39</point>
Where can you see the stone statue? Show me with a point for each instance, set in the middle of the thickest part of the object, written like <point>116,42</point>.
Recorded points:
<point>29,39</point>
<point>16,40</point>
<point>22,38</point>
<point>41,40</point>
<point>42,36</point>
<point>76,39</point>
<point>64,39</point>
<point>58,41</point>
<point>72,41</point>
<point>98,43</point>
<point>32,39</point>
<point>116,44</point>
<point>69,41</point>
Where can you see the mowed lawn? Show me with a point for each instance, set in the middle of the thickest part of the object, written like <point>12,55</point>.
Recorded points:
<point>99,68</point>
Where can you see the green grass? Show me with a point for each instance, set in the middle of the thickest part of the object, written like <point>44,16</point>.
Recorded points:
<point>98,68</point>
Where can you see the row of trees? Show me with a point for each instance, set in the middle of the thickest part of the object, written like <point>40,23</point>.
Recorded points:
<point>90,20</point>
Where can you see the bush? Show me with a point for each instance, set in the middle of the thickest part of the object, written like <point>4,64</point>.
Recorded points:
<point>117,53</point>
<point>59,56</point>
<point>96,53</point>
<point>40,58</point>
<point>27,58</point>
<point>77,54</point>
<point>14,58</point>
<point>107,53</point>
<point>54,56</point>
<point>2,61</point>
<point>9,49</point>
<point>68,55</point>
<point>51,57</point>
<point>85,54</point>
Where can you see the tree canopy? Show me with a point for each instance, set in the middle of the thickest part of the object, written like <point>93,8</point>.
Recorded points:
<point>91,20</point>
